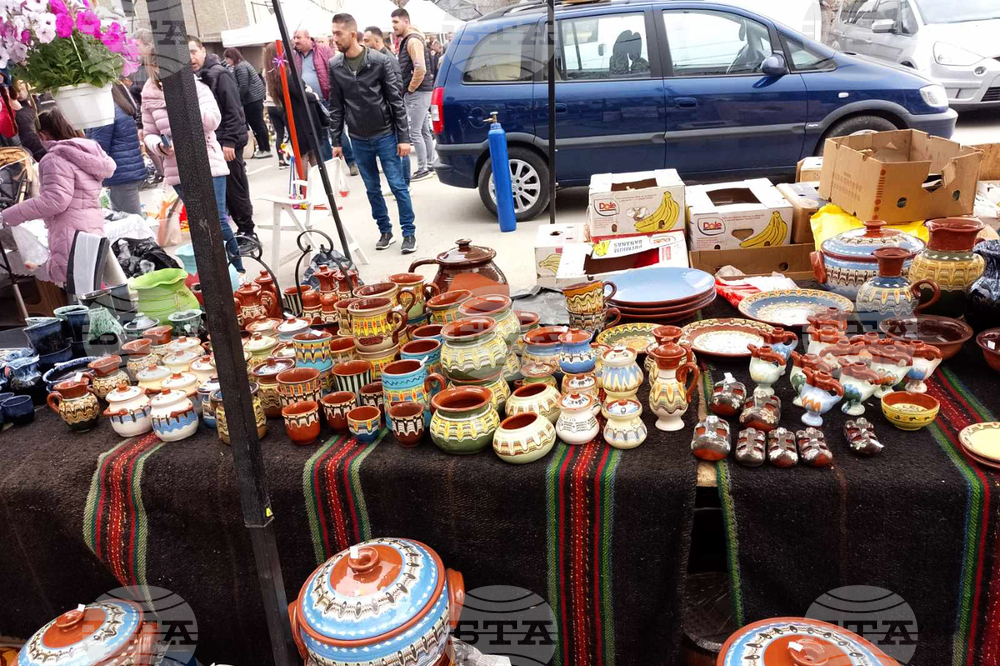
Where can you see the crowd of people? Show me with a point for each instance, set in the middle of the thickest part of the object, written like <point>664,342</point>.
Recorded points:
<point>369,94</point>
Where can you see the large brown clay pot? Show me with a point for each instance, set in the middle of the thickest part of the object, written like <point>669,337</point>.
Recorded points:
<point>469,267</point>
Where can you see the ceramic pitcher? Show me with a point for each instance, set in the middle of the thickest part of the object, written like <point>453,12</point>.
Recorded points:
<point>75,402</point>
<point>949,261</point>
<point>672,386</point>
<point>889,294</point>
<point>860,383</point>
<point>409,381</point>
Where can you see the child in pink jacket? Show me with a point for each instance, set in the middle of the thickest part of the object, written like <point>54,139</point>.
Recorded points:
<point>70,177</point>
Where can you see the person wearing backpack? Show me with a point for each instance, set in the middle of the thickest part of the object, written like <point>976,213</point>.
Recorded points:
<point>120,140</point>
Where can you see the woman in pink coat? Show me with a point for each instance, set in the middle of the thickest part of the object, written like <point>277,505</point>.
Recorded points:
<point>68,200</point>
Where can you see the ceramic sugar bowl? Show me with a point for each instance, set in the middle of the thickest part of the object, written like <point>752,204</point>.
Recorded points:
<point>129,410</point>
<point>624,428</point>
<point>173,416</point>
<point>381,601</point>
<point>577,423</point>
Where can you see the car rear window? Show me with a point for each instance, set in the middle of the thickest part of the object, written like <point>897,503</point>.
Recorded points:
<point>507,55</point>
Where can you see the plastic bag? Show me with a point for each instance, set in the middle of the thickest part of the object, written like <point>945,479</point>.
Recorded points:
<point>831,220</point>
<point>141,256</point>
<point>169,232</point>
<point>31,238</point>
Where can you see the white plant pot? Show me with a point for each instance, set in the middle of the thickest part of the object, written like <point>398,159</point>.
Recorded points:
<point>85,106</point>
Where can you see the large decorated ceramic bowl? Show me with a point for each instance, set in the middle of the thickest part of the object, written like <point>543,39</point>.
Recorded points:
<point>384,601</point>
<point>794,641</point>
<point>847,261</point>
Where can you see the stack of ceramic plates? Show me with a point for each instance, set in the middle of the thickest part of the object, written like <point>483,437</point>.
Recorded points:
<point>982,442</point>
<point>663,294</point>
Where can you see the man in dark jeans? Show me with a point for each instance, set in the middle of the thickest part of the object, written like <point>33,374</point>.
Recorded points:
<point>365,89</point>
<point>232,132</point>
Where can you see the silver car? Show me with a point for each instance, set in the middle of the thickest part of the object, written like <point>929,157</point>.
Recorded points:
<point>955,42</point>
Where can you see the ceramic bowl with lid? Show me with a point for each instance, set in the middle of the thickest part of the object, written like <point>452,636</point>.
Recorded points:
<point>184,344</point>
<point>129,411</point>
<point>846,261</point>
<point>182,381</point>
<point>794,641</point>
<point>181,361</point>
<point>381,601</point>
<point>151,377</point>
<point>288,328</point>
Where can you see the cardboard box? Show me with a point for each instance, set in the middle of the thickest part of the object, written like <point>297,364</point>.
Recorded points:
<point>808,169</point>
<point>550,239</point>
<point>900,176</point>
<point>790,260</point>
<point>989,169</point>
<point>805,200</point>
<point>584,261</point>
<point>728,216</point>
<point>627,204</point>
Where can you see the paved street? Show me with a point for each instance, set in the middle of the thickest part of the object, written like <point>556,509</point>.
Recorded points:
<point>445,214</point>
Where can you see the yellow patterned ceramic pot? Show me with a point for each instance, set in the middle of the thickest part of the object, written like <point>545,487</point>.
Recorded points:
<point>379,360</point>
<point>499,389</point>
<point>910,411</point>
<point>524,438</point>
<point>949,261</point>
<point>443,308</point>
<point>588,297</point>
<point>375,324</point>
<point>540,399</point>
<point>472,349</point>
<point>76,403</point>
<point>497,307</point>
<point>222,426</point>
<point>464,420</point>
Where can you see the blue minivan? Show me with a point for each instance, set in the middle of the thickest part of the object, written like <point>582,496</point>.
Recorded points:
<point>709,89</point>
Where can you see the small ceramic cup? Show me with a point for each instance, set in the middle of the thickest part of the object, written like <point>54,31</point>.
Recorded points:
<point>365,423</point>
<point>18,410</point>
<point>301,421</point>
<point>588,297</point>
<point>352,376</point>
<point>335,408</point>
<point>407,423</point>
<point>371,395</point>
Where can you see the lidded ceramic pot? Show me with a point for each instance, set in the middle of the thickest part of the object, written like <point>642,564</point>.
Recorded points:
<point>184,344</point>
<point>173,416</point>
<point>182,381</point>
<point>577,423</point>
<point>266,376</point>
<point>105,633</point>
<point>467,266</point>
<point>290,327</point>
<point>73,400</point>
<point>202,368</point>
<point>152,376</point>
<point>181,361</point>
<point>800,641</point>
<point>846,261</point>
<point>622,376</point>
<point>624,428</point>
<point>377,602</point>
<point>260,347</point>
<point>129,411</point>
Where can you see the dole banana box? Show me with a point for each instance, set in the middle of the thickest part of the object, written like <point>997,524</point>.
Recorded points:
<point>733,216</point>
<point>626,204</point>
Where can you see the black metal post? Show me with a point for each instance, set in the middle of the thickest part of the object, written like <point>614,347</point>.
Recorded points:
<point>550,25</point>
<point>167,23</point>
<point>295,80</point>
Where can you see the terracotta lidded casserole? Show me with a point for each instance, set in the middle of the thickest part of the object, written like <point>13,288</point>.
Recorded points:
<point>381,601</point>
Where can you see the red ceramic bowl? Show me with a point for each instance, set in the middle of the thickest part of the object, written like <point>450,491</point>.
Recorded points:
<point>989,342</point>
<point>945,333</point>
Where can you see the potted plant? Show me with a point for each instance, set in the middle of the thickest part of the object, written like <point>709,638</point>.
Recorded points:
<point>63,47</point>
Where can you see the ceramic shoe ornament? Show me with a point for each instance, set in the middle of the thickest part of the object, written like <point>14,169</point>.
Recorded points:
<point>711,439</point>
<point>781,449</point>
<point>862,438</point>
<point>728,396</point>
<point>761,411</point>
<point>781,341</point>
<point>926,359</point>
<point>819,394</point>
<point>813,449</point>
<point>860,383</point>
<point>751,448</point>
<point>766,367</point>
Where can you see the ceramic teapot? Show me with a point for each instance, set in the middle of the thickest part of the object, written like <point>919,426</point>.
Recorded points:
<point>467,266</point>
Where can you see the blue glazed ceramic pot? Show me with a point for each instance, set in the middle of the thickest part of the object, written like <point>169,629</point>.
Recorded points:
<point>18,410</point>
<point>47,337</point>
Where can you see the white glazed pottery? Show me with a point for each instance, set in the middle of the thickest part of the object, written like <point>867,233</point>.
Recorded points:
<point>129,411</point>
<point>173,416</point>
<point>577,423</point>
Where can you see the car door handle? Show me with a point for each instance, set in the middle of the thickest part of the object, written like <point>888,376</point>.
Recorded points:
<point>686,102</point>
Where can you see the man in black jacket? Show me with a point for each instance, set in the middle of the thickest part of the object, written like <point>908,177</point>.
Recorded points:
<point>365,89</point>
<point>232,133</point>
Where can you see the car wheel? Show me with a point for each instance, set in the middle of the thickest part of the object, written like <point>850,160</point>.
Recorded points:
<point>856,125</point>
<point>529,178</point>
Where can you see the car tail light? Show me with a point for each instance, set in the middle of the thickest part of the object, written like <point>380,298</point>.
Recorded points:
<point>437,110</point>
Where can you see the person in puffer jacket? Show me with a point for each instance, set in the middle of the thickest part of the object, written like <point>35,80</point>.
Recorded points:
<point>156,126</point>
<point>120,140</point>
<point>69,191</point>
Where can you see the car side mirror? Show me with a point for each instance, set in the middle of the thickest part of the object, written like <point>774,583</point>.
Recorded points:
<point>774,65</point>
<point>600,49</point>
<point>883,26</point>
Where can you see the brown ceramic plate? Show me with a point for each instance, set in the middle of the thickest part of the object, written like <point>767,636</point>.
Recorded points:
<point>657,320</point>
<point>945,333</point>
<point>670,310</point>
<point>726,338</point>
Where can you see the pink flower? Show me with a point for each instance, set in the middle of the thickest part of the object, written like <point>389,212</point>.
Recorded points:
<point>114,41</point>
<point>88,23</point>
<point>58,7</point>
<point>130,67</point>
<point>26,37</point>
<point>64,25</point>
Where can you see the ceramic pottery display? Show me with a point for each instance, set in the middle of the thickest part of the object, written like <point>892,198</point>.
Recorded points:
<point>266,376</point>
<point>797,376</point>
<point>130,411</point>
<point>269,294</point>
<point>301,421</point>
<point>173,416</point>
<point>335,408</point>
<point>926,359</point>
<point>375,324</point>
<point>889,293</point>
<point>892,363</point>
<point>672,387</point>
<point>577,423</point>
<point>761,411</point>
<point>846,261</point>
<point>542,345</point>
<point>910,411</point>
<point>106,633</point>
<point>427,351</point>
<point>107,374</point>
<point>812,448</point>
<point>946,334</point>
<point>472,349</point>
<point>524,438</point>
<point>74,402</point>
<point>861,437</point>
<point>204,401</point>
<point>352,376</point>
<point>989,342</point>
<point>728,396</point>
<point>576,356</point>
<point>384,601</point>
<point>787,641</point>
<point>302,384</point>
<point>540,399</point>
<point>950,262</point>
<point>539,373</point>
<point>623,428</point>
<point>203,369</point>
<point>782,342</point>
<point>406,419</point>
<point>409,381</point>
<point>467,266</point>
<point>497,386</point>
<point>18,409</point>
<point>464,419</point>
<point>983,310</point>
<point>497,308</point>
<point>819,394</point>
<point>151,378</point>
<point>751,447</point>
<point>711,439</point>
<point>373,395</point>
<point>781,449</point>
<point>766,367</point>
<point>443,308</point>
<point>725,338</point>
<point>622,375</point>
<point>860,383</point>
<point>163,292</point>
<point>249,304</point>
<point>792,308</point>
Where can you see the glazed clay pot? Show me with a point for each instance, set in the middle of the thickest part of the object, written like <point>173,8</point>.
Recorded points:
<point>497,385</point>
<point>249,306</point>
<point>464,420</point>
<point>819,394</point>
<point>181,361</point>
<point>266,376</point>
<point>222,424</point>
<point>577,423</point>
<point>588,297</point>
<point>312,349</point>
<point>379,599</point>
<point>76,404</point>
<point>342,350</point>
<point>888,293</point>
<point>672,387</point>
<point>524,438</point>
<point>407,422</point>
<point>469,267</point>
<point>622,375</point>
<point>576,356</point>
<point>151,378</point>
<point>269,295</point>
<point>417,285</point>
<point>443,308</point>
<point>781,341</point>
<point>335,408</point>
<point>950,262</point>
<point>428,331</point>
<point>327,279</point>
<point>291,327</point>
<point>893,363</point>
<point>372,394</point>
<point>797,375</point>
<point>472,349</point>
<point>766,367</point>
<point>365,423</point>
<point>204,401</point>
<point>301,421</point>
<point>539,373</point>
<point>540,399</point>
<point>926,359</point>
<point>409,381</point>
<point>427,351</point>
<point>184,382</point>
<point>173,416</point>
<point>260,348</point>
<point>107,374</point>
<point>859,382</point>
<point>499,308</point>
<point>298,385</point>
<point>586,384</point>
<point>379,359</point>
<point>138,356</point>
<point>846,261</point>
<point>541,345</point>
<point>375,324</point>
<point>129,410</point>
<point>624,428</point>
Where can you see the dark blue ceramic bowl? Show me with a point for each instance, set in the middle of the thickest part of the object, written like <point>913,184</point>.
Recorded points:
<point>49,361</point>
<point>4,396</point>
<point>66,370</point>
<point>18,410</point>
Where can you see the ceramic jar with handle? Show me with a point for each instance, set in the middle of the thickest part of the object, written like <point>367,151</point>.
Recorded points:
<point>375,324</point>
<point>327,279</point>
<point>75,402</point>
<point>467,266</point>
<point>472,349</point>
<point>950,262</point>
<point>173,416</point>
<point>541,345</point>
<point>463,420</point>
<point>129,410</point>
<point>577,423</point>
<point>249,306</point>
<point>622,375</point>
<point>292,326</point>
<point>259,346</point>
<point>576,356</point>
<point>181,361</point>
<point>499,308</point>
<point>926,359</point>
<point>184,382</point>
<point>375,603</point>
<point>672,387</point>
<point>524,438</point>
<point>443,308</point>
<point>409,381</point>
<point>889,294</point>
<point>151,377</point>
<point>859,383</point>
<point>417,285</point>
<point>624,428</point>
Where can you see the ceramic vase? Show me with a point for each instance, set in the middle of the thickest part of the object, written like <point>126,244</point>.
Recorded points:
<point>163,292</point>
<point>129,410</point>
<point>497,385</point>
<point>766,367</point>
<point>576,423</point>
<point>407,423</point>
<point>312,349</point>
<point>524,438</point>
<point>472,349</point>
<point>173,416</point>
<point>75,403</point>
<point>949,261</point>
<point>409,381</point>
<point>541,399</point>
<point>672,387</point>
<point>819,394</point>
<point>889,294</point>
<point>464,420</point>
<point>624,428</point>
<point>983,309</point>
<point>859,382</point>
<point>622,375</point>
<point>926,359</point>
<point>576,356</point>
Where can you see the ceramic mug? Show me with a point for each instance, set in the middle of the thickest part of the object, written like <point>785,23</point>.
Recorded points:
<point>375,324</point>
<point>371,395</point>
<point>335,408</point>
<point>426,350</point>
<point>301,421</point>
<point>415,284</point>
<point>594,322</point>
<point>588,297</point>
<point>407,422</point>
<point>365,423</point>
<point>352,376</point>
<point>342,350</point>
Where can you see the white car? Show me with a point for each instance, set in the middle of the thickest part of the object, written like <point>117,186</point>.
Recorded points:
<point>955,43</point>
